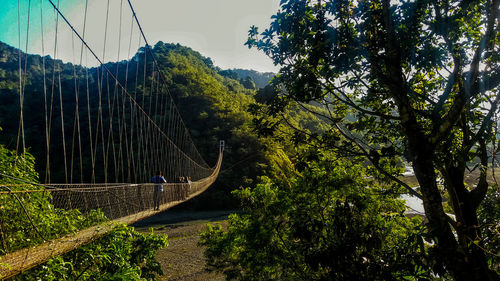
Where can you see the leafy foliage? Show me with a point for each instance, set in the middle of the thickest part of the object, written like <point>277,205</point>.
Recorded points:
<point>34,211</point>
<point>122,254</point>
<point>323,223</point>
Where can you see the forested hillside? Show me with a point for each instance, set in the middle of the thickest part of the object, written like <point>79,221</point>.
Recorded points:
<point>213,106</point>
<point>248,76</point>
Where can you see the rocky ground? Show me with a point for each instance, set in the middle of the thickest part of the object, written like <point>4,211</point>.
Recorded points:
<point>183,259</point>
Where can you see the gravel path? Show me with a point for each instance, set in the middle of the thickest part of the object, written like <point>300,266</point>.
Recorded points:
<point>183,259</point>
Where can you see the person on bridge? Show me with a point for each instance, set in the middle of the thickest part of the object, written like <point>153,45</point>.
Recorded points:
<point>158,180</point>
<point>188,188</point>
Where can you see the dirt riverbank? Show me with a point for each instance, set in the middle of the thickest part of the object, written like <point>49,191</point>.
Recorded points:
<point>183,259</point>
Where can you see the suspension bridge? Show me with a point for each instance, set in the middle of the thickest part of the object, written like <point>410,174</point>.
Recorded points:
<point>106,126</point>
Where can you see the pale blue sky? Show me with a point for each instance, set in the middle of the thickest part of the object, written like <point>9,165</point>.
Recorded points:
<point>215,28</point>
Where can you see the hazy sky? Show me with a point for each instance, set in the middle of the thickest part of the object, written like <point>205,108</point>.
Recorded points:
<point>215,28</point>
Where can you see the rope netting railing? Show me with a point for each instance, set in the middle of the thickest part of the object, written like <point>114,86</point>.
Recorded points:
<point>102,205</point>
<point>100,124</point>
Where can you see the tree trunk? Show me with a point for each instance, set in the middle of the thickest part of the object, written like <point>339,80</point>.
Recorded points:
<point>467,228</point>
<point>463,262</point>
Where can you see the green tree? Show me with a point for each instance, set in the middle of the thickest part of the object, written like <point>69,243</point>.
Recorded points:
<point>322,223</point>
<point>402,78</point>
<point>249,83</point>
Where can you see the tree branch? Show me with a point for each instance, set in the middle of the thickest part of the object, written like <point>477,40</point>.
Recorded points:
<point>352,104</point>
<point>487,122</point>
<point>465,92</point>
<point>486,43</point>
<point>380,169</point>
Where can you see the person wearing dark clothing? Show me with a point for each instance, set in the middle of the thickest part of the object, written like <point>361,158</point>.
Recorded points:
<point>158,180</point>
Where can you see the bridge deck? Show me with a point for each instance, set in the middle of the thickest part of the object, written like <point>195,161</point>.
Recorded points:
<point>19,261</point>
